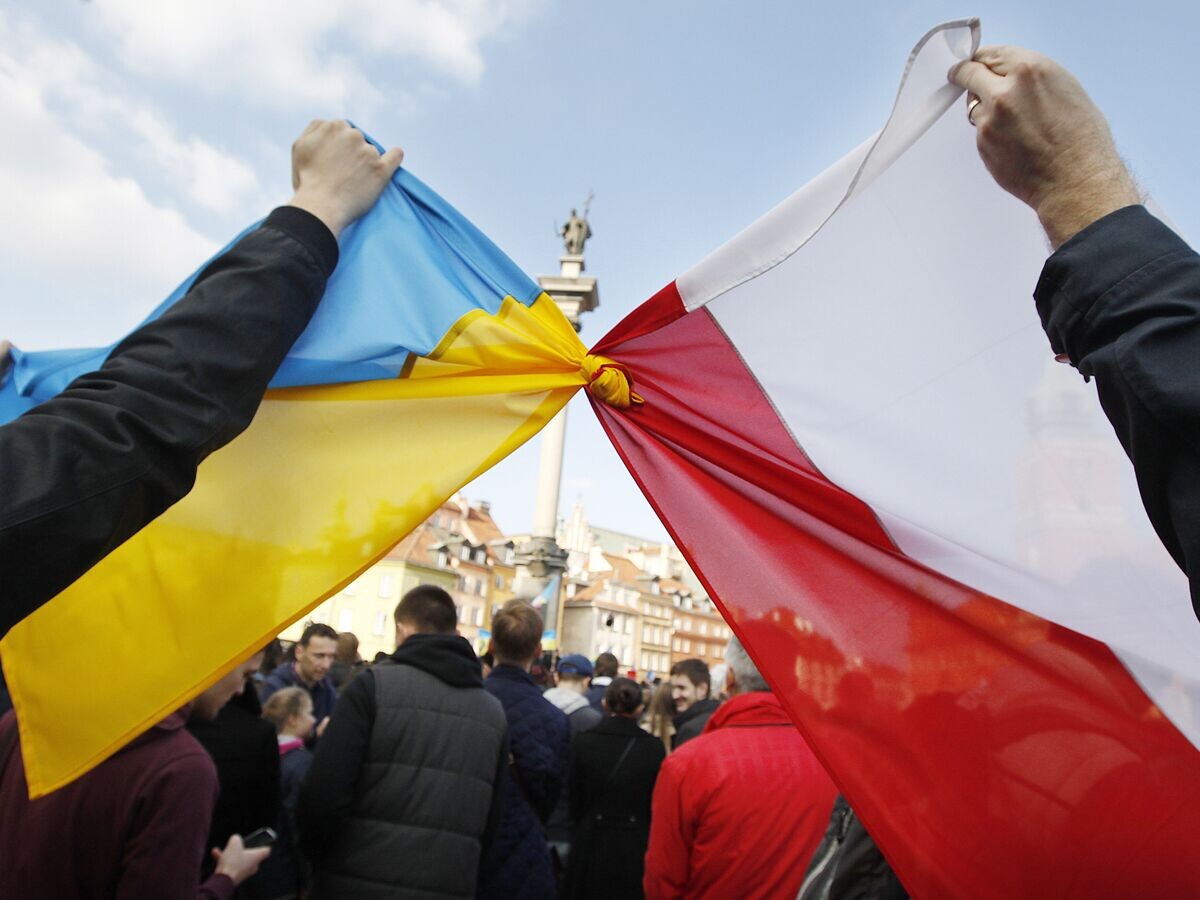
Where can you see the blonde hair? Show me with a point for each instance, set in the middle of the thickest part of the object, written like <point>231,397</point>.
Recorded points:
<point>516,632</point>
<point>285,703</point>
<point>660,714</point>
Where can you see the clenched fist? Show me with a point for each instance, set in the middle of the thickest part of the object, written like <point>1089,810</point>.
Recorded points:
<point>1043,139</point>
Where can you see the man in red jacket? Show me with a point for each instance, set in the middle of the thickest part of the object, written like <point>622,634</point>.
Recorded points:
<point>738,811</point>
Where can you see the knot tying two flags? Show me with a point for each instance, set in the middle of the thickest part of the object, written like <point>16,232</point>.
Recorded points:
<point>610,381</point>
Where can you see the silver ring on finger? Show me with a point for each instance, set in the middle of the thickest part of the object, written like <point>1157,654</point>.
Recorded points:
<point>972,102</point>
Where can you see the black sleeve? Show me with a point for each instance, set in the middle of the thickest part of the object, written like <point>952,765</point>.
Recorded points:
<point>82,472</point>
<point>496,810</point>
<point>271,793</point>
<point>1122,300</point>
<point>327,792</point>
<point>576,802</point>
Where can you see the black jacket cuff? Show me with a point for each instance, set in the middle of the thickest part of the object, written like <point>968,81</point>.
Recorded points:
<point>309,231</point>
<point>1091,265</point>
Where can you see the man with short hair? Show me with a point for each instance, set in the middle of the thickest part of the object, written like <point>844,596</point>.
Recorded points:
<point>740,809</point>
<point>518,864</point>
<point>135,826</point>
<point>315,653</point>
<point>346,661</point>
<point>403,795</point>
<point>603,674</point>
<point>574,674</point>
<point>691,687</point>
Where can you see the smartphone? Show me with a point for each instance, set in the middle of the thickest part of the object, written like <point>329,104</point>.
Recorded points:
<point>260,837</point>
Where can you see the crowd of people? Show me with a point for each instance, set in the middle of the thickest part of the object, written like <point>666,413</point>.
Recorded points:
<point>432,772</point>
<point>417,775</point>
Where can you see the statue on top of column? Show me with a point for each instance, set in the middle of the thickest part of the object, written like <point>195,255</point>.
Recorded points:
<point>576,232</point>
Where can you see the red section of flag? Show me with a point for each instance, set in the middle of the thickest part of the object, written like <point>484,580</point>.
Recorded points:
<point>990,753</point>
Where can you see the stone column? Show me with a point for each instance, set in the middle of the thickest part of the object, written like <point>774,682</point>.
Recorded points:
<point>540,559</point>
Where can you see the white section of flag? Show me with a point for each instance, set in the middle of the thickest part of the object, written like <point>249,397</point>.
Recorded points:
<point>917,377</point>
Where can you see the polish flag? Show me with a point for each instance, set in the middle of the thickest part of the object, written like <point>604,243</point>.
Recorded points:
<point>921,527</point>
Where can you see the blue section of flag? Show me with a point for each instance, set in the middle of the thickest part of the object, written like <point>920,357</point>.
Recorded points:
<point>409,270</point>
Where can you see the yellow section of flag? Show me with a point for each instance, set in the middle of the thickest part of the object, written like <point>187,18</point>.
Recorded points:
<point>321,485</point>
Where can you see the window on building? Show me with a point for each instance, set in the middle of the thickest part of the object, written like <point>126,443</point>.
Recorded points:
<point>687,646</point>
<point>478,615</point>
<point>345,619</point>
<point>380,623</point>
<point>459,613</point>
<point>704,628</point>
<point>443,559</point>
<point>646,634</point>
<point>387,585</point>
<point>677,645</point>
<point>499,582</point>
<point>481,587</point>
<point>465,552</point>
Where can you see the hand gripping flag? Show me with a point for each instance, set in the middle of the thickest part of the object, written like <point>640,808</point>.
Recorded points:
<point>921,528</point>
<point>430,358</point>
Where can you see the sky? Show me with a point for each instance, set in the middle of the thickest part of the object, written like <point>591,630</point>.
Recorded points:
<point>137,138</point>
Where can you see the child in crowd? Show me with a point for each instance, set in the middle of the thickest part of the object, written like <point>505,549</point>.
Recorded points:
<point>290,710</point>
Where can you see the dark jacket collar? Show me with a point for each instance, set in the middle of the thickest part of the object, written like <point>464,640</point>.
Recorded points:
<point>622,725</point>
<point>699,708</point>
<point>505,672</point>
<point>288,675</point>
<point>447,657</point>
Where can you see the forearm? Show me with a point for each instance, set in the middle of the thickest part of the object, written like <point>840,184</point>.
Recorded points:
<point>218,887</point>
<point>167,841</point>
<point>1122,300</point>
<point>85,470</point>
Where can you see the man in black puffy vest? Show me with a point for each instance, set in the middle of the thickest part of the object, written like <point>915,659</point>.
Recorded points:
<point>404,791</point>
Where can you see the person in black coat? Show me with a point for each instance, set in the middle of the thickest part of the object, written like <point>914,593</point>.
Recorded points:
<point>612,774</point>
<point>246,752</point>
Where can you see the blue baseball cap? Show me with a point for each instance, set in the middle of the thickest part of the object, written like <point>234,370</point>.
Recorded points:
<point>575,664</point>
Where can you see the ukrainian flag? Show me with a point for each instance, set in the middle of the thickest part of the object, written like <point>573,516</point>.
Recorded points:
<point>430,359</point>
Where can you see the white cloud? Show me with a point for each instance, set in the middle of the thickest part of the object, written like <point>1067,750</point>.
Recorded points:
<point>305,54</point>
<point>99,178</point>
<point>211,178</point>
<point>73,228</point>
<point>90,101</point>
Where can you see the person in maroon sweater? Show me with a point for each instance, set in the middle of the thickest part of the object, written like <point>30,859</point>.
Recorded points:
<point>135,826</point>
